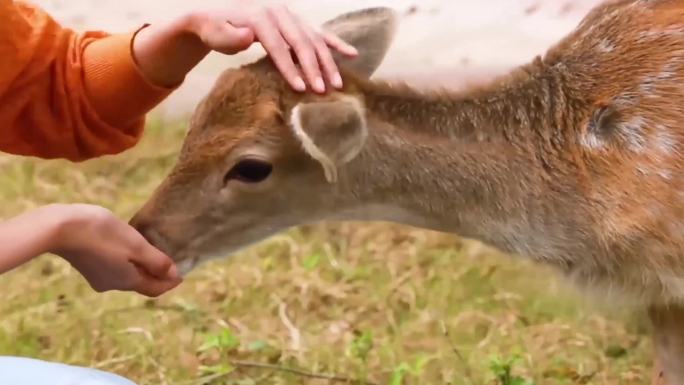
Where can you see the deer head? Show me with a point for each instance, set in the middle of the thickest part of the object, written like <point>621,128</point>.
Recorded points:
<point>260,158</point>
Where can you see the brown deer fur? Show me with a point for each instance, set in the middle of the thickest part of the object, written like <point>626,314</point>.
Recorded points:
<point>574,160</point>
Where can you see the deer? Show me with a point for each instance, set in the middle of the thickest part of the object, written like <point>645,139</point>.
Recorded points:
<point>574,159</point>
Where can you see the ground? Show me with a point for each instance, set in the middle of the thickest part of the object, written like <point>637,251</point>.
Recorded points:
<point>359,302</point>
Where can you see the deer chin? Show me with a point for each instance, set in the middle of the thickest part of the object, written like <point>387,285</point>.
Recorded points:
<point>198,252</point>
<point>186,266</point>
<point>188,260</point>
<point>191,261</point>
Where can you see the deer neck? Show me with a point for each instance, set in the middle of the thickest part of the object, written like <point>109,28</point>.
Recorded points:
<point>472,163</point>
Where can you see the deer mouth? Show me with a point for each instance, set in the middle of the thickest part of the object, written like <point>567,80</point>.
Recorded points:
<point>187,265</point>
<point>185,259</point>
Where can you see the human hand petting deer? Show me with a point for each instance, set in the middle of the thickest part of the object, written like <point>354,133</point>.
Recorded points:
<point>109,253</point>
<point>165,54</point>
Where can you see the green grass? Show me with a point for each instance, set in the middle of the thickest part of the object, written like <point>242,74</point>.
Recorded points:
<point>377,303</point>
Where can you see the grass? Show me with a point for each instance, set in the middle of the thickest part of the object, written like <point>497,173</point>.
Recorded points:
<point>361,303</point>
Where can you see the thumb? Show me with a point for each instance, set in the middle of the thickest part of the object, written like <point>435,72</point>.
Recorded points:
<point>151,286</point>
<point>229,39</point>
<point>154,262</point>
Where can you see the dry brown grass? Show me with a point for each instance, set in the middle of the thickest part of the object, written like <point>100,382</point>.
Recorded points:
<point>376,302</point>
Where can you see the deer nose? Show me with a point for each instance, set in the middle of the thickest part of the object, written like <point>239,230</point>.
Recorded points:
<point>143,226</point>
<point>149,229</point>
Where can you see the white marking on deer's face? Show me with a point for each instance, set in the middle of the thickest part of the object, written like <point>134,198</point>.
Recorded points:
<point>606,46</point>
<point>591,141</point>
<point>664,141</point>
<point>633,132</point>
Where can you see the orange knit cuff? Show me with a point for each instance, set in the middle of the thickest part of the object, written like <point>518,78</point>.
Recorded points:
<point>116,88</point>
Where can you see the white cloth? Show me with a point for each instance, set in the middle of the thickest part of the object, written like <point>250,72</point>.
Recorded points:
<point>27,371</point>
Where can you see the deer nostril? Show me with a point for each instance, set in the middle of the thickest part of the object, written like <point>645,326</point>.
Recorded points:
<point>148,229</point>
<point>142,226</point>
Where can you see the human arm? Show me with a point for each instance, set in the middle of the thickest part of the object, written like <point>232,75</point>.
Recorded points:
<point>21,240</point>
<point>81,95</point>
<point>65,94</point>
<point>109,253</point>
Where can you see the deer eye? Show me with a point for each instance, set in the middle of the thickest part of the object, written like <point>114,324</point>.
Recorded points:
<point>249,171</point>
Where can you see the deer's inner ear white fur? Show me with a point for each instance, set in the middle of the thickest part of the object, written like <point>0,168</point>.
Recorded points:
<point>332,132</point>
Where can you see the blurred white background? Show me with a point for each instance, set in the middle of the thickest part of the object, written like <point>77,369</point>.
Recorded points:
<point>439,41</point>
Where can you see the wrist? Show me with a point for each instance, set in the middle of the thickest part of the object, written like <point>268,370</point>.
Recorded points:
<point>165,53</point>
<point>191,23</point>
<point>53,219</point>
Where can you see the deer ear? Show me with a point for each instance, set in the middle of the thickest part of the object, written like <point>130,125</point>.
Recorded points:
<point>370,31</point>
<point>332,132</point>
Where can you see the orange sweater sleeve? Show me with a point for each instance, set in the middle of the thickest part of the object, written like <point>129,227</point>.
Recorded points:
<point>68,95</point>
